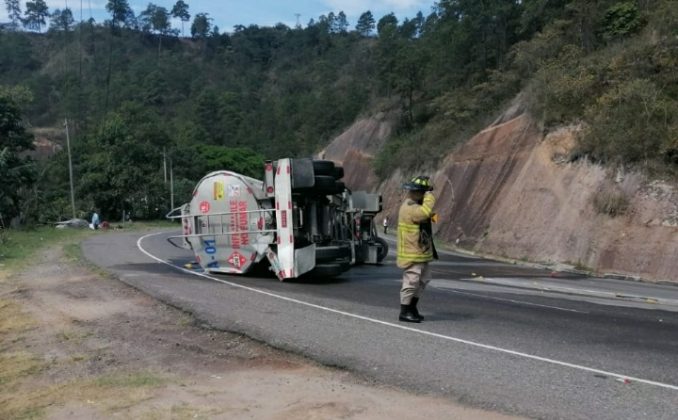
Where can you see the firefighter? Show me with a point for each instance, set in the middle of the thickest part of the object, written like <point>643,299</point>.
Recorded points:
<point>415,245</point>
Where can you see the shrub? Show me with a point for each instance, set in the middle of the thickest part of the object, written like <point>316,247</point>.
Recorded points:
<point>621,20</point>
<point>630,123</point>
<point>611,201</point>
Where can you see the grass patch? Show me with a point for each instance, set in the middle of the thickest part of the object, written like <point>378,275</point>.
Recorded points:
<point>111,393</point>
<point>582,267</point>
<point>24,390</point>
<point>611,202</point>
<point>12,319</point>
<point>16,365</point>
<point>181,412</point>
<point>129,380</point>
<point>20,246</point>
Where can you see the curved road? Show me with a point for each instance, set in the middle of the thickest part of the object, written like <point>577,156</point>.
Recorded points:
<point>499,347</point>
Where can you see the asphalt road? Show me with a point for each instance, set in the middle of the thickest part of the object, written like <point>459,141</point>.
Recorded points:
<point>504,348</point>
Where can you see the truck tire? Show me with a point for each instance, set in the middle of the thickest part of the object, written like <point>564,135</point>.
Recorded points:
<point>324,182</point>
<point>383,249</point>
<point>323,167</point>
<point>332,253</point>
<point>338,172</point>
<point>341,187</point>
<point>328,270</point>
<point>322,185</point>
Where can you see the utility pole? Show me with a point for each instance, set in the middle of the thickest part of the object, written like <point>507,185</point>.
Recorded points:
<point>70,166</point>
<point>164,163</point>
<point>298,25</point>
<point>171,186</point>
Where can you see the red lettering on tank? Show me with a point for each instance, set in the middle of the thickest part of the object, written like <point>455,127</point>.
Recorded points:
<point>242,225</point>
<point>233,223</point>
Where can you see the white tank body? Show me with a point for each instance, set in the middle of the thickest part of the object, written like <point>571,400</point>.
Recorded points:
<point>229,228</point>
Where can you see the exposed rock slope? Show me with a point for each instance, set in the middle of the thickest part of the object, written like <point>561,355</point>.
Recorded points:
<point>510,191</point>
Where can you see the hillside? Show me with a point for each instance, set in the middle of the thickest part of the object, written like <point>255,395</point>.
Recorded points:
<point>536,112</point>
<point>511,192</point>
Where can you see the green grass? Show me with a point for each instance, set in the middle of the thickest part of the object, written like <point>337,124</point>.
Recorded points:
<point>146,224</point>
<point>19,246</point>
<point>129,380</point>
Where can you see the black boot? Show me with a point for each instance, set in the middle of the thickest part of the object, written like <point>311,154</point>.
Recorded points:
<point>415,311</point>
<point>406,314</point>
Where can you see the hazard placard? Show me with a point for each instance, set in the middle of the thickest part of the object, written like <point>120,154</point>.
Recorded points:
<point>237,260</point>
<point>204,207</point>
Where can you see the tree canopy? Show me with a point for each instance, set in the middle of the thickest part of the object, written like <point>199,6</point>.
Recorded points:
<point>16,170</point>
<point>136,92</point>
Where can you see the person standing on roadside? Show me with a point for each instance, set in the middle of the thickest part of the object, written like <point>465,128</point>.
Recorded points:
<point>385,223</point>
<point>415,245</point>
<point>95,220</point>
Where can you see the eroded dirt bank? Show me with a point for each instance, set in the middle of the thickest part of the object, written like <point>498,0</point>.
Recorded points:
<point>78,345</point>
<point>512,192</point>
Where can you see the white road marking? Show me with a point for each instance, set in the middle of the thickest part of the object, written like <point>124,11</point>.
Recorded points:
<point>508,300</point>
<point>410,329</point>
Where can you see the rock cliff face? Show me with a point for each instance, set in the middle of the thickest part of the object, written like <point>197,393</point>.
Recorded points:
<point>510,191</point>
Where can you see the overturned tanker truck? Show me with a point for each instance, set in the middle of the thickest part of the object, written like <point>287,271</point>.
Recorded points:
<point>300,219</point>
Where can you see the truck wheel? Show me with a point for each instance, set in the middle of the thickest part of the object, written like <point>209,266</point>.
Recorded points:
<point>338,172</point>
<point>328,270</point>
<point>332,253</point>
<point>340,188</point>
<point>325,184</point>
<point>323,167</point>
<point>382,251</point>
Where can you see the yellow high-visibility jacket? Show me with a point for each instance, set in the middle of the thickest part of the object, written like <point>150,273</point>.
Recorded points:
<point>413,247</point>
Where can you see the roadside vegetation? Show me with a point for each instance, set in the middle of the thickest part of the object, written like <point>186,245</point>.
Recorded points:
<point>24,369</point>
<point>143,98</point>
<point>18,247</point>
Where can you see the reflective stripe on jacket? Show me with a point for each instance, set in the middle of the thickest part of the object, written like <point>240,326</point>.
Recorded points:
<point>412,246</point>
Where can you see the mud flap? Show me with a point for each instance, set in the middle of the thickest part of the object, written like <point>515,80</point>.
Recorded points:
<point>304,260</point>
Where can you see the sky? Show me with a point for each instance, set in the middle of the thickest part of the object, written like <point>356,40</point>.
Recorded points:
<point>228,13</point>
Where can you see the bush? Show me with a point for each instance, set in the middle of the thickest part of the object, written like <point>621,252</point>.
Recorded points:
<point>611,201</point>
<point>621,20</point>
<point>630,123</point>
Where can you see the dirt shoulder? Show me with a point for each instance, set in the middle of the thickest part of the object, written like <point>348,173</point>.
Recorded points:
<point>76,343</point>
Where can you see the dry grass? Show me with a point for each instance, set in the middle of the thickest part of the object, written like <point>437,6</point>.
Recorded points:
<point>13,320</point>
<point>28,387</point>
<point>106,393</point>
<point>14,366</point>
<point>180,412</point>
<point>612,202</point>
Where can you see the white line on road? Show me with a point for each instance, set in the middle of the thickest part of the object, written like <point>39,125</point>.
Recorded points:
<point>410,329</point>
<point>521,302</point>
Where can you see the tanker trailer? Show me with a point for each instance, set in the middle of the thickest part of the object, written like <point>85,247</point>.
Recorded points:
<point>299,219</point>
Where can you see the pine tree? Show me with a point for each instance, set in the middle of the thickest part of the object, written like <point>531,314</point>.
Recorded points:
<point>14,12</point>
<point>35,15</point>
<point>365,24</point>
<point>180,11</point>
